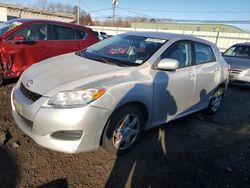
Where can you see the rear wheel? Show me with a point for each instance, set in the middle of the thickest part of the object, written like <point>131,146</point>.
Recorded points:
<point>123,130</point>
<point>215,101</point>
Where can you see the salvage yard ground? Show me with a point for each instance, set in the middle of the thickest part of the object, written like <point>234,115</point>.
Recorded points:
<point>195,151</point>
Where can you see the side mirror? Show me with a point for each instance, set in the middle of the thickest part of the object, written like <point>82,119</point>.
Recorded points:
<point>19,38</point>
<point>168,64</point>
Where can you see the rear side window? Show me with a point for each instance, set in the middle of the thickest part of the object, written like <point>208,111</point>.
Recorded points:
<point>180,51</point>
<point>63,33</point>
<point>203,53</point>
<point>33,32</point>
<point>80,35</point>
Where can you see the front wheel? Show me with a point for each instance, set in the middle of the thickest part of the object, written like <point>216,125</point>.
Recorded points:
<point>215,101</point>
<point>123,130</point>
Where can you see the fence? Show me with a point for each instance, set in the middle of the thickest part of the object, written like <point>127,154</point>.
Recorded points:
<point>221,39</point>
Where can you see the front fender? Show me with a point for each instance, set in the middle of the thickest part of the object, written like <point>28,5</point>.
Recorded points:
<point>125,93</point>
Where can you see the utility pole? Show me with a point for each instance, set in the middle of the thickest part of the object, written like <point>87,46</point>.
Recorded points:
<point>114,4</point>
<point>78,12</point>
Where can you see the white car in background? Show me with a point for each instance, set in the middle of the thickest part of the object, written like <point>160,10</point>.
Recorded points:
<point>238,57</point>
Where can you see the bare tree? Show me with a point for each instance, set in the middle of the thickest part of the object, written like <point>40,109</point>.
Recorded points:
<point>85,18</point>
<point>42,4</point>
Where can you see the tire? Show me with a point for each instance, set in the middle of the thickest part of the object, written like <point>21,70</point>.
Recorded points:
<point>216,100</point>
<point>123,130</point>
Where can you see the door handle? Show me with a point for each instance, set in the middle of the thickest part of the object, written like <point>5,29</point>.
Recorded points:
<point>217,69</point>
<point>191,75</point>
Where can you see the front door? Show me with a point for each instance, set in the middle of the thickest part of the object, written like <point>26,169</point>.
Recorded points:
<point>34,49</point>
<point>174,90</point>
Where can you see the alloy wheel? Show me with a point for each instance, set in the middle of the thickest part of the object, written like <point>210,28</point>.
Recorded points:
<point>126,132</point>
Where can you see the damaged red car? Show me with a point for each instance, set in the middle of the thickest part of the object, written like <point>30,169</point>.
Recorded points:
<point>24,42</point>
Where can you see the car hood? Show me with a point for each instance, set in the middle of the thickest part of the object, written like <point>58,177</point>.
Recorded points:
<point>236,62</point>
<point>67,72</point>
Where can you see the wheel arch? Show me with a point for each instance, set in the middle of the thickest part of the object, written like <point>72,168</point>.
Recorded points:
<point>138,104</point>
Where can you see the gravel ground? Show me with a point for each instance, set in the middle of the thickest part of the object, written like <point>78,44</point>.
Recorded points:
<point>195,151</point>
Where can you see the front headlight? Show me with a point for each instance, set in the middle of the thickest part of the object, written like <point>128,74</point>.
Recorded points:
<point>76,97</point>
<point>248,73</point>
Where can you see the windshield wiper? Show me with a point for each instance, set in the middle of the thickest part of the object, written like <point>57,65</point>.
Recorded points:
<point>100,59</point>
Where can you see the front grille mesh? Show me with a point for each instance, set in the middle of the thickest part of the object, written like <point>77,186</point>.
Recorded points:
<point>29,94</point>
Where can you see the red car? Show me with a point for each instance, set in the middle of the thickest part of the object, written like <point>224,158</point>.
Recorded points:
<point>24,42</point>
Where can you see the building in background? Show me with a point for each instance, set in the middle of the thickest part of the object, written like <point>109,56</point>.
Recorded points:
<point>188,27</point>
<point>9,11</point>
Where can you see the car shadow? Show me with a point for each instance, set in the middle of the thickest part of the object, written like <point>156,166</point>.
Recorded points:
<point>9,170</point>
<point>58,183</point>
<point>9,82</point>
<point>131,165</point>
<point>189,152</point>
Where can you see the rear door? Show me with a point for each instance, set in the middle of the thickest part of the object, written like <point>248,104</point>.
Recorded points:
<point>208,73</point>
<point>34,49</point>
<point>65,39</point>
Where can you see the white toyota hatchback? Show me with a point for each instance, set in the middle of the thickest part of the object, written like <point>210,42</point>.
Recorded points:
<point>110,92</point>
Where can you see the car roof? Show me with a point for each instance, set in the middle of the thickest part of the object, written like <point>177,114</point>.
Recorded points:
<point>167,36</point>
<point>242,44</point>
<point>29,20</point>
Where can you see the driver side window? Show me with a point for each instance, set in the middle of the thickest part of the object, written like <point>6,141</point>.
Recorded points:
<point>33,32</point>
<point>180,51</point>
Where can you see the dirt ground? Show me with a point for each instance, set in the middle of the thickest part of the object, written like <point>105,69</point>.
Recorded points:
<point>195,151</point>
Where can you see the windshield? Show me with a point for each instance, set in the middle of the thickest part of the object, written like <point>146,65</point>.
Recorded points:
<point>238,51</point>
<point>6,26</point>
<point>123,50</point>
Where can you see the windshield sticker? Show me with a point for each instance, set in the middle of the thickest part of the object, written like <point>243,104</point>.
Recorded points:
<point>155,40</point>
<point>138,61</point>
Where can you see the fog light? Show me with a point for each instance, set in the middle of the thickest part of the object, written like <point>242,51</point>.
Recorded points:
<point>67,135</point>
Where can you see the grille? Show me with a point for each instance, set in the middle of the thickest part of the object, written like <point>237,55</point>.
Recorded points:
<point>236,71</point>
<point>29,94</point>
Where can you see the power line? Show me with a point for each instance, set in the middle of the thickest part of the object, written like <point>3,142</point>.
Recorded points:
<point>101,10</point>
<point>185,11</point>
<point>133,12</point>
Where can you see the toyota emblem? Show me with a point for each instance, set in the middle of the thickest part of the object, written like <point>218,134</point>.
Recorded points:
<point>29,83</point>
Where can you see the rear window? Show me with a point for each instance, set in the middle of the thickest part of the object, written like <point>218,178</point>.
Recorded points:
<point>80,35</point>
<point>58,32</point>
<point>63,33</point>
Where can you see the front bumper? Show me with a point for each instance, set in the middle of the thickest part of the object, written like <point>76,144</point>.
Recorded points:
<point>239,79</point>
<point>40,122</point>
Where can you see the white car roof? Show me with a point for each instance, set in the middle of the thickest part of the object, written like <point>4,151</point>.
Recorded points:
<point>168,36</point>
